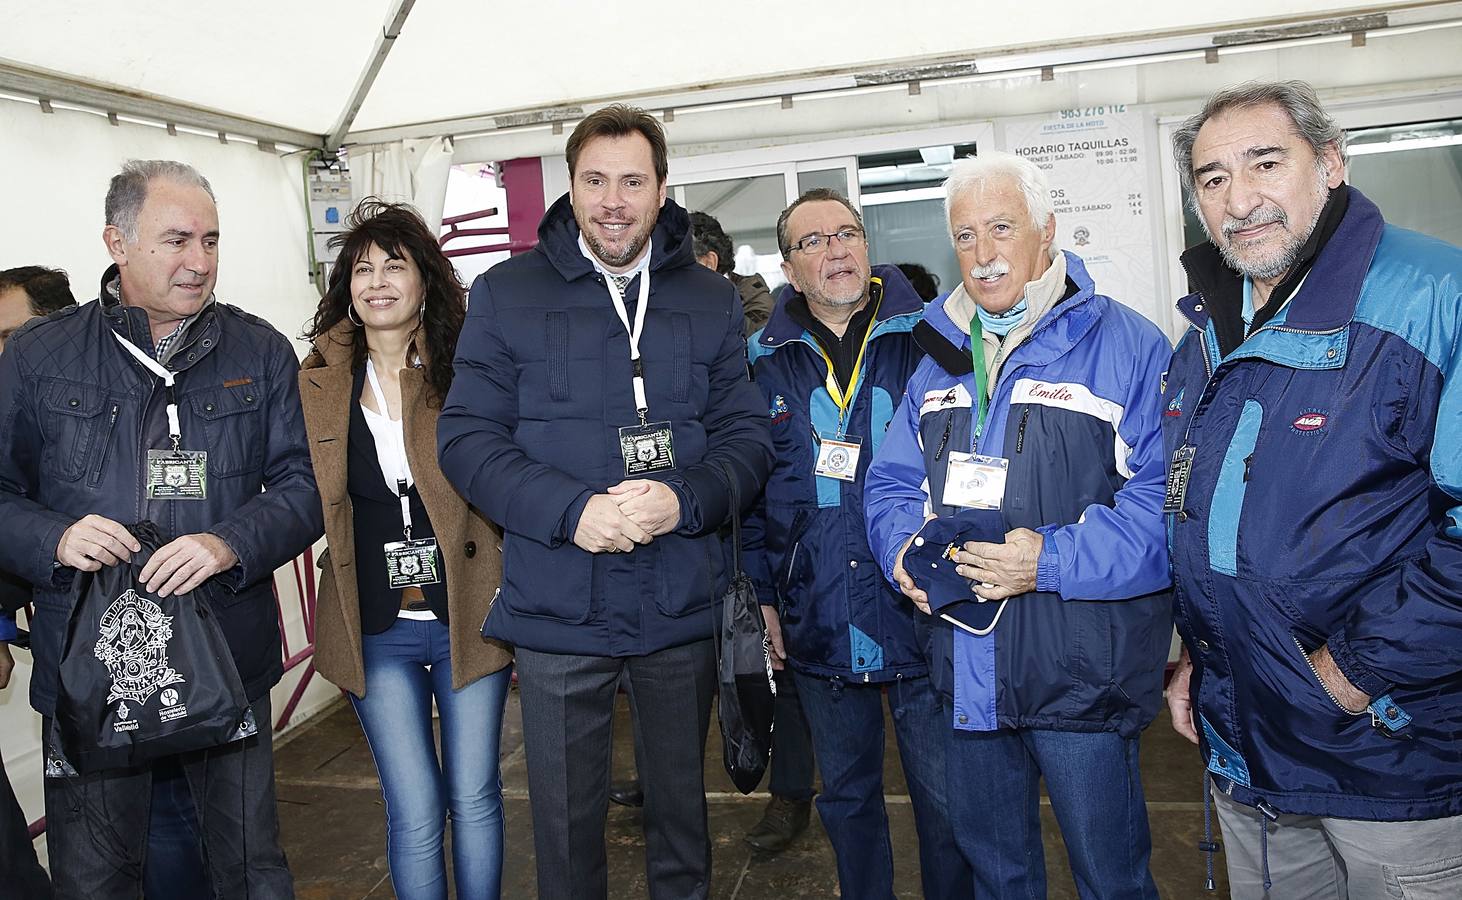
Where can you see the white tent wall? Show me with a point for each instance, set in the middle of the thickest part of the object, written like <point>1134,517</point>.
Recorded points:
<point>54,171</point>
<point>414,172</point>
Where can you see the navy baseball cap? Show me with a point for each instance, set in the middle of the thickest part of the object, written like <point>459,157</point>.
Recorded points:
<point>930,564</point>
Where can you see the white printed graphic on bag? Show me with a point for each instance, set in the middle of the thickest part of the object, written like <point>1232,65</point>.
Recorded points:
<point>133,645</point>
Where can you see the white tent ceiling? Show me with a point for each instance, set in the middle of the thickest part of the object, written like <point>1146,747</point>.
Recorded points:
<point>297,65</point>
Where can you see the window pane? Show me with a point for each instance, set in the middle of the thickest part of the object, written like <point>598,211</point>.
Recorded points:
<point>747,209</point>
<point>837,179</point>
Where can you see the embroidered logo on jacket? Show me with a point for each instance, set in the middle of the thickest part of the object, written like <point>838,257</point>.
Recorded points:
<point>780,412</point>
<point>1310,421</point>
<point>1175,405</point>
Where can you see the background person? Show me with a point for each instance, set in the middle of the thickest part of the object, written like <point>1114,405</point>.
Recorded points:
<point>384,336</point>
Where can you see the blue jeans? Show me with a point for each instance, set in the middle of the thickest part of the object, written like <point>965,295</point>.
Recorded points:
<point>846,719</point>
<point>793,768</point>
<point>174,869</point>
<point>405,667</point>
<point>1096,794</point>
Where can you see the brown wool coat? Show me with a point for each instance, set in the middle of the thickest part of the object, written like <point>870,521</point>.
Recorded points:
<point>469,544</point>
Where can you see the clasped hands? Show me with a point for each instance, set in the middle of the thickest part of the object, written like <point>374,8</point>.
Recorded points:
<point>177,567</point>
<point>998,571</point>
<point>632,512</point>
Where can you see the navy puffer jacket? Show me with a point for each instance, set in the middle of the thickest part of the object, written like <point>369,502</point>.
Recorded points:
<point>530,431</point>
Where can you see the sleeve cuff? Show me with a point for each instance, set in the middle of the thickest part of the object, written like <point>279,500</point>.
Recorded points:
<point>1048,566</point>
<point>233,577</point>
<point>1355,671</point>
<point>690,510</point>
<point>570,521</point>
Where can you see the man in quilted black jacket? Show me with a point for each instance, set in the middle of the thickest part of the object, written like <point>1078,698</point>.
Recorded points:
<point>158,402</point>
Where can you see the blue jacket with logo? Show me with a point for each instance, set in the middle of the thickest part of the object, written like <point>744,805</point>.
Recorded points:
<point>807,544</point>
<point>1076,412</point>
<point>1324,506</point>
<point>530,431</point>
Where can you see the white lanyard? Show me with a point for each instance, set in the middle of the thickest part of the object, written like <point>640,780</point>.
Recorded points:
<point>169,378</point>
<point>397,431</point>
<point>641,406</point>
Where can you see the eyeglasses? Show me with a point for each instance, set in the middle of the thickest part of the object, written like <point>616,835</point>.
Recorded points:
<point>817,243</point>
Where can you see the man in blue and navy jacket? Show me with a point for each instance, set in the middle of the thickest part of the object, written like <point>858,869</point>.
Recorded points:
<point>1061,390</point>
<point>1313,424</point>
<point>830,363</point>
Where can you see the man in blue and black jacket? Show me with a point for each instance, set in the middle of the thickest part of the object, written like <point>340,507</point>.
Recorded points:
<point>1313,423</point>
<point>1032,371</point>
<point>830,363</point>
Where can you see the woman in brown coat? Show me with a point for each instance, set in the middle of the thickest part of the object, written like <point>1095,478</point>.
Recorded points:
<point>411,569</point>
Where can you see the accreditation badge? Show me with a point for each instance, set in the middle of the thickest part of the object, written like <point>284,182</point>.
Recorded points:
<point>412,563</point>
<point>1176,489</point>
<point>839,458</point>
<point>647,448</point>
<point>177,475</point>
<point>974,481</point>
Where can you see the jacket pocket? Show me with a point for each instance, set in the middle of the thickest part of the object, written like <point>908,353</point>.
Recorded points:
<point>795,570</point>
<point>687,573</point>
<point>234,425</point>
<point>1228,494</point>
<point>72,418</point>
<point>539,583</point>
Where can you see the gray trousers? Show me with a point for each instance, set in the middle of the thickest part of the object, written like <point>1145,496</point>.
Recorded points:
<point>96,825</point>
<point>568,714</point>
<point>1318,858</point>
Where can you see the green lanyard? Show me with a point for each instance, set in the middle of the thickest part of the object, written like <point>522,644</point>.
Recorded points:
<point>982,376</point>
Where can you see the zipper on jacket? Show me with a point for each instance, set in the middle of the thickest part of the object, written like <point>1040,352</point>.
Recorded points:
<point>1020,432</point>
<point>939,451</point>
<point>96,475</point>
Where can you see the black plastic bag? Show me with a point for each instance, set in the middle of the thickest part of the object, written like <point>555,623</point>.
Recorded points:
<point>143,677</point>
<point>744,671</point>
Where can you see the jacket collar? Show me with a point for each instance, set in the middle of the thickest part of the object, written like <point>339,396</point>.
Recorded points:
<point>131,322</point>
<point>899,299</point>
<point>1327,299</point>
<point>558,240</point>
<point>1061,328</point>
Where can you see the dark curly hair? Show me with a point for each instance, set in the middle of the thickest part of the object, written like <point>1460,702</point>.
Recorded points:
<point>399,230</point>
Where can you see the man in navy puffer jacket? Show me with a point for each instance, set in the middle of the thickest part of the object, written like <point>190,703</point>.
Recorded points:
<point>600,405</point>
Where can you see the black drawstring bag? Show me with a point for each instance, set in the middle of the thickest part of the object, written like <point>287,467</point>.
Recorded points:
<point>141,676</point>
<point>744,671</point>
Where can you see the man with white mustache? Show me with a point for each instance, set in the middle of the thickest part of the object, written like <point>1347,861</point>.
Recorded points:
<point>1313,426</point>
<point>1038,403</point>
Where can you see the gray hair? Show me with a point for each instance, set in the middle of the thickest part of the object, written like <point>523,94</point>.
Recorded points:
<point>973,171</point>
<point>128,190</point>
<point>1296,98</point>
<point>812,195</point>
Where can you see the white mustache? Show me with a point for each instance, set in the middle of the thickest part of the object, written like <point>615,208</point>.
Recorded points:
<point>1261,216</point>
<point>993,270</point>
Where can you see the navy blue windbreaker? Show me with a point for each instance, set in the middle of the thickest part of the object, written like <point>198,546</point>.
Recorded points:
<point>1325,507</point>
<point>1076,412</point>
<point>807,544</point>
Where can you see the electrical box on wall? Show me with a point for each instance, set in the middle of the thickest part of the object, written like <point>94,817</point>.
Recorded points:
<point>329,195</point>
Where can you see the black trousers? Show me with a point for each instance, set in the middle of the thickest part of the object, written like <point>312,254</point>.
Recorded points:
<point>20,871</point>
<point>568,713</point>
<point>97,824</point>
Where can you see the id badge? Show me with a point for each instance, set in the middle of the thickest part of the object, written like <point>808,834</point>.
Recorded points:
<point>647,448</point>
<point>974,481</point>
<point>1178,472</point>
<point>177,475</point>
<point>839,459</point>
<point>412,563</point>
